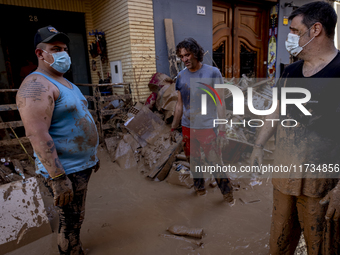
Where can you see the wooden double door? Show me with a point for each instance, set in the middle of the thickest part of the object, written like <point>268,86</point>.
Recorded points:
<point>240,39</point>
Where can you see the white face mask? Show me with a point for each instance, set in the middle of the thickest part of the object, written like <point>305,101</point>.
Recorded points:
<point>292,43</point>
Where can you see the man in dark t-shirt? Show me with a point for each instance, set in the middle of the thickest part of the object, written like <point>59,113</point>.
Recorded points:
<point>307,199</point>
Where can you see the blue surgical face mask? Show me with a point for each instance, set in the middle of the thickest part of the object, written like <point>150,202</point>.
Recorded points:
<point>62,61</point>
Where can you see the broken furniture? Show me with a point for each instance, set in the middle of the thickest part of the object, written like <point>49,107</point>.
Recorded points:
<point>11,111</point>
<point>23,216</point>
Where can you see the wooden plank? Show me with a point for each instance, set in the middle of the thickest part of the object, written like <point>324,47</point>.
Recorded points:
<point>21,156</point>
<point>11,124</point>
<point>167,166</point>
<point>114,97</point>
<point>107,126</point>
<point>109,112</point>
<point>14,141</point>
<point>8,107</point>
<point>89,98</point>
<point>170,152</point>
<point>170,41</point>
<point>6,131</point>
<point>114,85</point>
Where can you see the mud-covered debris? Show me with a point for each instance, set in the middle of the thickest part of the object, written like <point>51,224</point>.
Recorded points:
<point>185,231</point>
<point>198,243</point>
<point>145,126</point>
<point>180,175</point>
<point>181,157</point>
<point>111,145</point>
<point>124,156</point>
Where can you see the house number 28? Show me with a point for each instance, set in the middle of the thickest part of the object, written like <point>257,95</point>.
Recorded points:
<point>33,18</point>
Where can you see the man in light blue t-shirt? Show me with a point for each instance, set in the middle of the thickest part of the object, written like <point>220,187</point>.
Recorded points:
<point>62,132</point>
<point>198,128</point>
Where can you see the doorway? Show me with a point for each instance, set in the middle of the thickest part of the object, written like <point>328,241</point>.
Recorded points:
<point>18,27</point>
<point>240,38</point>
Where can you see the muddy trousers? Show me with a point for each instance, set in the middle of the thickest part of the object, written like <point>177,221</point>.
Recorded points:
<point>295,214</point>
<point>193,140</point>
<point>72,215</point>
<point>223,183</point>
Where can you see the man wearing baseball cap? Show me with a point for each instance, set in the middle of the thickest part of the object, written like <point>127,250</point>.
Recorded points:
<point>62,132</point>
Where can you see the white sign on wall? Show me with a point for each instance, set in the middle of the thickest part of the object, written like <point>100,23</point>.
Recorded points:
<point>200,10</point>
<point>116,71</point>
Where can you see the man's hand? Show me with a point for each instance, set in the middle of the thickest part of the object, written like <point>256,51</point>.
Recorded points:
<point>97,166</point>
<point>62,190</point>
<point>333,198</point>
<point>172,136</point>
<point>256,155</point>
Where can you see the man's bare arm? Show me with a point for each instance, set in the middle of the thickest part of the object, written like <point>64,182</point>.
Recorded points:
<point>269,127</point>
<point>178,111</point>
<point>265,133</point>
<point>35,100</point>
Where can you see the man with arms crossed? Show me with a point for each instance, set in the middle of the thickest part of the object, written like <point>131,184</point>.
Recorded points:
<point>198,130</point>
<point>62,132</point>
<point>311,205</point>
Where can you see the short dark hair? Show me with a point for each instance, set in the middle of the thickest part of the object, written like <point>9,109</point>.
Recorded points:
<point>192,46</point>
<point>318,11</point>
<point>41,46</point>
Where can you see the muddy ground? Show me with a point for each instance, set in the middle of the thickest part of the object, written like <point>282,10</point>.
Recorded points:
<point>126,213</point>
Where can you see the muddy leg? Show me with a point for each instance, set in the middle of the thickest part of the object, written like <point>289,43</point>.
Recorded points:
<point>192,152</point>
<point>198,177</point>
<point>225,185</point>
<point>285,228</point>
<point>312,220</point>
<point>72,215</point>
<point>213,155</point>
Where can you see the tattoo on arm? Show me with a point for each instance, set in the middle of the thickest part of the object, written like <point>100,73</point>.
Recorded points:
<point>59,167</point>
<point>32,89</point>
<point>51,146</point>
<point>58,163</point>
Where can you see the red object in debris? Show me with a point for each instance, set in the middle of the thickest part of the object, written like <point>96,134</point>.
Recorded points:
<point>151,101</point>
<point>158,80</point>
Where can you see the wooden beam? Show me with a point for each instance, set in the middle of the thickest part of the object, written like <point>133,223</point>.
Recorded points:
<point>107,126</point>
<point>114,97</point>
<point>168,154</point>
<point>8,107</point>
<point>114,85</point>
<point>109,112</point>
<point>167,166</point>
<point>170,41</point>
<point>11,124</point>
<point>14,141</point>
<point>89,98</point>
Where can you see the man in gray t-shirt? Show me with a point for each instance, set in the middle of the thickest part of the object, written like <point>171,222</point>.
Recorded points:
<point>194,83</point>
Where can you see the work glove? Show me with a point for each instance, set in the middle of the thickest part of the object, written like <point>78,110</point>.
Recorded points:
<point>333,199</point>
<point>172,136</point>
<point>62,190</point>
<point>256,156</point>
<point>97,166</point>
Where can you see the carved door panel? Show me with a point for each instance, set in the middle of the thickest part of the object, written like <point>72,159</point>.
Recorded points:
<point>240,39</point>
<point>250,28</point>
<point>222,39</point>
